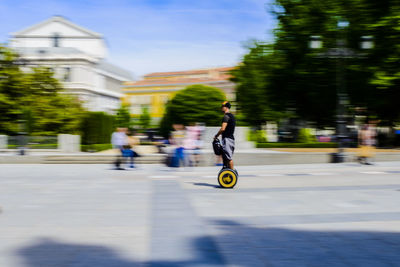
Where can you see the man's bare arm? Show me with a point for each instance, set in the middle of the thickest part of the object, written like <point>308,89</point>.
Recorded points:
<point>223,127</point>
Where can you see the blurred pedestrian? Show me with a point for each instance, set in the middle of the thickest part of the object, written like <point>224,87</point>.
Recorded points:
<point>198,142</point>
<point>177,141</point>
<point>218,160</point>
<point>119,139</point>
<point>130,151</point>
<point>191,144</point>
<point>367,141</point>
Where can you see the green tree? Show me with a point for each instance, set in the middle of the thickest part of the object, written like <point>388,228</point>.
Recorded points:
<point>196,103</point>
<point>384,64</point>
<point>145,119</point>
<point>11,91</point>
<point>46,109</point>
<point>290,78</point>
<point>252,91</point>
<point>36,98</point>
<point>301,84</point>
<point>123,117</point>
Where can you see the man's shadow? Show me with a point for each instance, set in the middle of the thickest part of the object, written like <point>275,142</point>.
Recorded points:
<point>48,252</point>
<point>236,243</point>
<point>207,185</point>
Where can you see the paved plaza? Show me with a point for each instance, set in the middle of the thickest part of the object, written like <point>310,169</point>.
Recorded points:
<point>286,215</point>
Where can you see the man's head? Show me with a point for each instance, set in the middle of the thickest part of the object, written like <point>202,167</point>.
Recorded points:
<point>225,106</point>
<point>122,129</point>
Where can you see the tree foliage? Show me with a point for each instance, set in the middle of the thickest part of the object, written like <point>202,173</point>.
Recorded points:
<point>252,92</point>
<point>123,117</point>
<point>145,119</point>
<point>196,103</point>
<point>288,78</point>
<point>385,65</point>
<point>34,99</point>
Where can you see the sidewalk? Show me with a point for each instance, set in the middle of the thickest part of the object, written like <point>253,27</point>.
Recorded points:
<point>328,150</point>
<point>283,215</point>
<point>241,157</point>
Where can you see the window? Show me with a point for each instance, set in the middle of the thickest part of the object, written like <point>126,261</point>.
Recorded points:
<point>67,74</point>
<point>56,40</point>
<point>141,99</point>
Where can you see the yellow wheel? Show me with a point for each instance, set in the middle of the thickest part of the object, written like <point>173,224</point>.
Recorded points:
<point>227,178</point>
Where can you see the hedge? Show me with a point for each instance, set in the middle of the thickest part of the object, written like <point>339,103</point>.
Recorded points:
<point>257,136</point>
<point>297,145</point>
<point>97,128</point>
<point>35,146</point>
<point>95,147</point>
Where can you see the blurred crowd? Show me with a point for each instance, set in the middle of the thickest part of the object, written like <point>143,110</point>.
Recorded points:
<point>183,147</point>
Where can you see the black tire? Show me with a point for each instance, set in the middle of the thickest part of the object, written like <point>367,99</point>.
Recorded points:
<point>227,178</point>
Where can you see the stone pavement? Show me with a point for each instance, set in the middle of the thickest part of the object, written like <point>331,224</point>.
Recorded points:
<point>243,157</point>
<point>286,215</point>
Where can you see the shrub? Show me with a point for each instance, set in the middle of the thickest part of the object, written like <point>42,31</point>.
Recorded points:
<point>97,128</point>
<point>297,145</point>
<point>95,147</point>
<point>305,136</point>
<point>196,103</point>
<point>258,136</point>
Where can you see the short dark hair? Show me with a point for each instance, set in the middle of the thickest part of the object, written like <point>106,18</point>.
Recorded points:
<point>226,104</point>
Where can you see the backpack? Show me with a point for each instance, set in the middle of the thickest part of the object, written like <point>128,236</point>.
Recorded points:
<point>217,147</point>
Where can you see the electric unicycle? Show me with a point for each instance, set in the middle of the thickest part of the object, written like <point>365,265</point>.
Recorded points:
<point>227,178</point>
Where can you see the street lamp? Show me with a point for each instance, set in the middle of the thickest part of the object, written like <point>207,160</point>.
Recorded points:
<point>340,53</point>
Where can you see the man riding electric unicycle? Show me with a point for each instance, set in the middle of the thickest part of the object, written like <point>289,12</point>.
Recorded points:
<point>228,176</point>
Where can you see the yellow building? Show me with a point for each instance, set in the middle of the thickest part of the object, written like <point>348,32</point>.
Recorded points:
<point>157,88</point>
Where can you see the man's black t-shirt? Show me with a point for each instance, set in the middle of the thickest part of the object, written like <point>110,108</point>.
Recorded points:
<point>230,128</point>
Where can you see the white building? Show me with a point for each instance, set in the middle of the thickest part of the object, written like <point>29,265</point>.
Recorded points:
<point>77,56</point>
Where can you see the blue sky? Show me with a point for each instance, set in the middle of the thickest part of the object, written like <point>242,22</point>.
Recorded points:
<point>146,36</point>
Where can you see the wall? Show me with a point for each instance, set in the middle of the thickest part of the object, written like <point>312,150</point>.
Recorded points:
<point>3,141</point>
<point>69,143</point>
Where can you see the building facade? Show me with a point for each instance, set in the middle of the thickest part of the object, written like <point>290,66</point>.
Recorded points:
<point>78,58</point>
<point>156,89</point>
